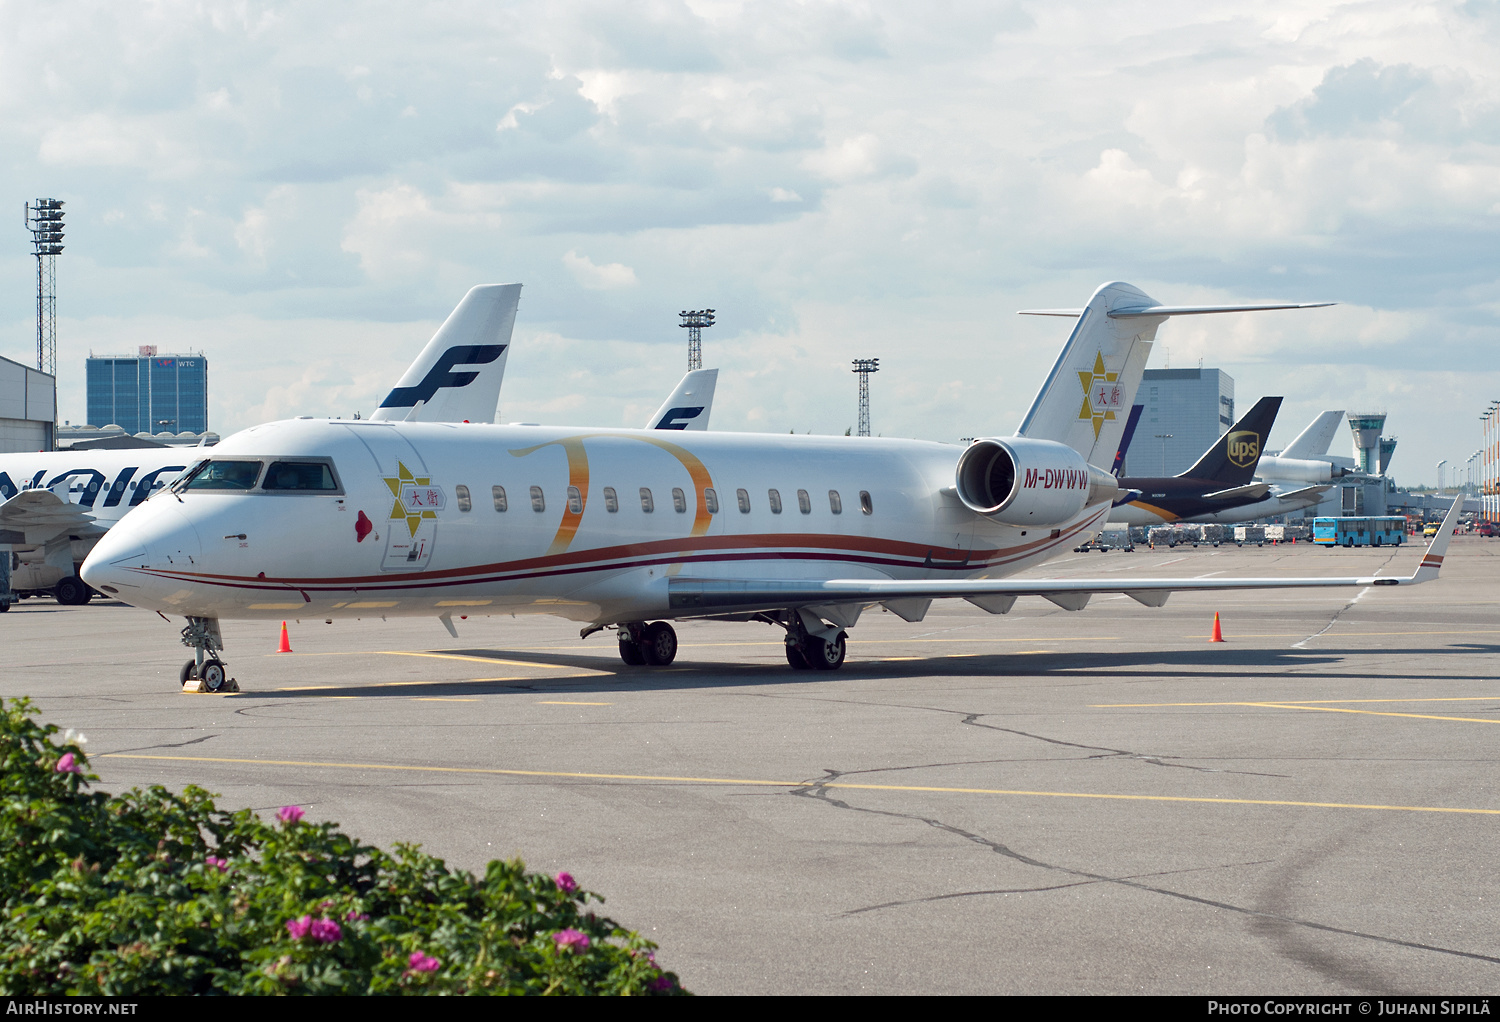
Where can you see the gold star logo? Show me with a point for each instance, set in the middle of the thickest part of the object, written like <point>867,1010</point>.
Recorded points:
<point>399,510</point>
<point>1101,394</point>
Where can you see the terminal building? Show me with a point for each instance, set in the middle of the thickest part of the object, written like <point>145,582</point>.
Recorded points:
<point>148,392</point>
<point>1185,412</point>
<point>28,408</point>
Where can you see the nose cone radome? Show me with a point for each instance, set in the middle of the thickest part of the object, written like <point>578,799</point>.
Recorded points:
<point>130,559</point>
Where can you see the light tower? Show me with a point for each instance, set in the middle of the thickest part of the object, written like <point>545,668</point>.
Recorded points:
<point>863,367</point>
<point>44,219</point>
<point>693,323</point>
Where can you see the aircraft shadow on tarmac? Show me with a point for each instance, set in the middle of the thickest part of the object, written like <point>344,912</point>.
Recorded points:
<point>1208,663</point>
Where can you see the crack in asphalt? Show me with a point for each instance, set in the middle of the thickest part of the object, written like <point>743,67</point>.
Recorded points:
<point>818,791</point>
<point>973,720</point>
<point>1302,643</point>
<point>162,745</point>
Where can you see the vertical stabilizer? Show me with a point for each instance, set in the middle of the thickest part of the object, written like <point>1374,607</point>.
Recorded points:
<point>1233,459</point>
<point>689,406</point>
<point>1087,396</point>
<point>457,376</point>
<point>1130,424</point>
<point>1313,441</point>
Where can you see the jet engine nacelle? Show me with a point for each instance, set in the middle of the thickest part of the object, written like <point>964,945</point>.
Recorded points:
<point>1019,481</point>
<point>1298,470</point>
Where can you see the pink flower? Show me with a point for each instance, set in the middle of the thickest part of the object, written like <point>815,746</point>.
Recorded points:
<point>289,814</point>
<point>423,963</point>
<point>222,865</point>
<point>67,765</point>
<point>565,882</point>
<point>299,928</point>
<point>659,984</point>
<point>571,940</point>
<point>326,931</point>
<point>357,917</point>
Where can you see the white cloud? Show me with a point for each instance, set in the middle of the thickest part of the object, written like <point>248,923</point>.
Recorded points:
<point>596,277</point>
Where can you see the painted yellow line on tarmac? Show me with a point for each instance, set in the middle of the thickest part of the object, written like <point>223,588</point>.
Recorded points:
<point>442,699</point>
<point>479,659</point>
<point>1314,702</point>
<point>743,781</point>
<point>1318,705</point>
<point>561,702</point>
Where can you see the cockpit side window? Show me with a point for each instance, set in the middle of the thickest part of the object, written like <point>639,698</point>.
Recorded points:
<point>299,475</point>
<point>222,475</point>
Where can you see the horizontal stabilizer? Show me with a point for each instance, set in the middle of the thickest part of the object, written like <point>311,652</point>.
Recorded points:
<point>1306,491</point>
<point>1253,491</point>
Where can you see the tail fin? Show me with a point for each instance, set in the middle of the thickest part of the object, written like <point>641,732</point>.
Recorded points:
<point>1232,460</point>
<point>1084,401</point>
<point>689,406</point>
<point>1130,424</point>
<point>473,340</point>
<point>1313,441</point>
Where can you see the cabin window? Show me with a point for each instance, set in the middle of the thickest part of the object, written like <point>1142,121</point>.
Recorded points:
<point>773,497</point>
<point>744,498</point>
<point>804,502</point>
<point>465,502</point>
<point>498,492</point>
<point>835,504</point>
<point>538,502</point>
<point>575,501</point>
<point>611,500</point>
<point>711,501</point>
<point>647,504</point>
<point>679,500</point>
<point>865,503</point>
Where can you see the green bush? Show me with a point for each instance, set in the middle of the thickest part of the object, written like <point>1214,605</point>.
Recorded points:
<point>150,892</point>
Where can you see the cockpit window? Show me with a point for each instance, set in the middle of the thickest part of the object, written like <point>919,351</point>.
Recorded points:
<point>222,475</point>
<point>299,475</point>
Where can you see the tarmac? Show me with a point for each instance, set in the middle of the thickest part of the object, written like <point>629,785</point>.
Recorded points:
<point>1100,802</point>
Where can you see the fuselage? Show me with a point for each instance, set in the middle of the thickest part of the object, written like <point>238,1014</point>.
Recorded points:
<point>435,518</point>
<point>106,484</point>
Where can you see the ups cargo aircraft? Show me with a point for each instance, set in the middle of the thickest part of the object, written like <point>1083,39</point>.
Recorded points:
<point>627,529</point>
<point>1221,486</point>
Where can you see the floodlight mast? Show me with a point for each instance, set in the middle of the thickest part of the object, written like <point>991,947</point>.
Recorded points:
<point>693,323</point>
<point>44,219</point>
<point>863,367</point>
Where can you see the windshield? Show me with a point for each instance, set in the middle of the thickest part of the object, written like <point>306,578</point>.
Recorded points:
<point>222,475</point>
<point>299,475</point>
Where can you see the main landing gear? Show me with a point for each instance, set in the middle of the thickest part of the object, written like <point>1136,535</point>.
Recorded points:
<point>808,652</point>
<point>654,644</point>
<point>205,672</point>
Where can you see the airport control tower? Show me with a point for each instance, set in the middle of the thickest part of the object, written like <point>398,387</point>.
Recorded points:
<point>1367,440</point>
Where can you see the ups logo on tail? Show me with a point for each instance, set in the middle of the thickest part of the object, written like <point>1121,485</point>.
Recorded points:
<point>1244,448</point>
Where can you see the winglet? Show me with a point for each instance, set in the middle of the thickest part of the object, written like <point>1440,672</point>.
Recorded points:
<point>1432,560</point>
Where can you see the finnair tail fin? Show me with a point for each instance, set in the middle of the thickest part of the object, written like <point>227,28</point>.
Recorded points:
<point>1313,441</point>
<point>1089,391</point>
<point>1233,459</point>
<point>457,376</point>
<point>689,406</point>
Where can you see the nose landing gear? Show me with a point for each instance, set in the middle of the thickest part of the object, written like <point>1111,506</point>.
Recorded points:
<point>205,672</point>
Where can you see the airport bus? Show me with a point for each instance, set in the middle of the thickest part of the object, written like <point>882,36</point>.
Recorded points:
<point>1367,531</point>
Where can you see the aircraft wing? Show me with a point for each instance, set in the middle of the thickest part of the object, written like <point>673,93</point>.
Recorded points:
<point>732,596</point>
<point>39,515</point>
<point>689,406</point>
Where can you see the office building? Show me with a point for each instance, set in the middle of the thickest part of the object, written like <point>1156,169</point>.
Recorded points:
<point>149,392</point>
<point>1185,412</point>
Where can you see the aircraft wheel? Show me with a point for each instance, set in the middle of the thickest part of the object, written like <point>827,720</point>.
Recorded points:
<point>213,675</point>
<point>188,673</point>
<point>71,592</point>
<point>4,606</point>
<point>796,659</point>
<point>630,651</point>
<point>826,656</point>
<point>660,645</point>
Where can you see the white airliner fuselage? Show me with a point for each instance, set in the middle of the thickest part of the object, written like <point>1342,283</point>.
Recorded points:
<point>593,523</point>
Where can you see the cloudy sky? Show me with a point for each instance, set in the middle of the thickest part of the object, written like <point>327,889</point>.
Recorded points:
<point>303,191</point>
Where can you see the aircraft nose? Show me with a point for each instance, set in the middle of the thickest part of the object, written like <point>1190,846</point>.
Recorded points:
<point>126,559</point>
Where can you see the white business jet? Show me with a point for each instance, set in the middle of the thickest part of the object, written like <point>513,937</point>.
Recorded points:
<point>627,528</point>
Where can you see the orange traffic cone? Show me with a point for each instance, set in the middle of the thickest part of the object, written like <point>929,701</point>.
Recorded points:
<point>286,642</point>
<point>1218,635</point>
